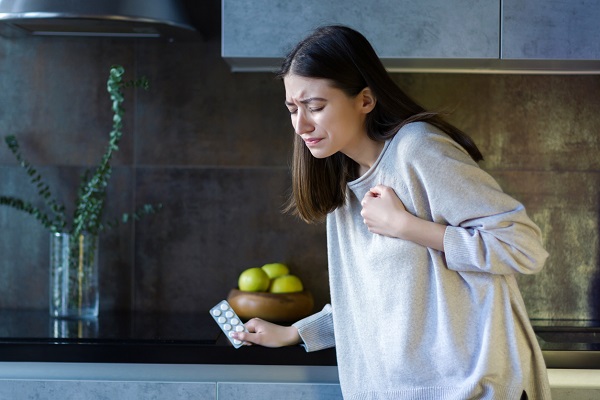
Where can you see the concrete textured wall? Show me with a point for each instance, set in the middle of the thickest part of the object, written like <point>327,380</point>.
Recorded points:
<point>214,148</point>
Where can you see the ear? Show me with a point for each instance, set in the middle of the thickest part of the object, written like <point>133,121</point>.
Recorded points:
<point>367,100</point>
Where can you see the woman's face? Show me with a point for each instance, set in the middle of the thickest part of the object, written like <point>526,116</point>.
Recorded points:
<point>325,117</point>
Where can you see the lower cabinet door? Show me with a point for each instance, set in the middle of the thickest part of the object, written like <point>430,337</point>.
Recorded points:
<point>278,391</point>
<point>102,390</point>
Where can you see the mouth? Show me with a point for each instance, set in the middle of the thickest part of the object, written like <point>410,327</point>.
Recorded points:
<point>312,141</point>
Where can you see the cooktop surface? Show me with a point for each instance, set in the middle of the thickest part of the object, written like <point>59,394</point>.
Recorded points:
<point>194,338</point>
<point>559,334</point>
<point>39,326</point>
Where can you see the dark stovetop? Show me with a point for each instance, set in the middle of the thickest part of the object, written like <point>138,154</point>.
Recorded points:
<point>194,338</point>
<point>569,343</point>
<point>38,326</point>
<point>574,335</point>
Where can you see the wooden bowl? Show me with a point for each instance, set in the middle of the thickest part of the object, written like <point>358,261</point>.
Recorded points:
<point>273,307</point>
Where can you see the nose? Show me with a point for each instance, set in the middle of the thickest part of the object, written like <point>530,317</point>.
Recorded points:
<point>302,123</point>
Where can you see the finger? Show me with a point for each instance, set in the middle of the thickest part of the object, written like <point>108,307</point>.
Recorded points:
<point>386,191</point>
<point>365,201</point>
<point>376,190</point>
<point>367,197</point>
<point>380,190</point>
<point>252,324</point>
<point>246,337</point>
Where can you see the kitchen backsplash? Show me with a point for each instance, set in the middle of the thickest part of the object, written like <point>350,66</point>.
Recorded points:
<point>214,147</point>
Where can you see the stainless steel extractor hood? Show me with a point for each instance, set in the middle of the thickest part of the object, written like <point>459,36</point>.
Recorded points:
<point>102,18</point>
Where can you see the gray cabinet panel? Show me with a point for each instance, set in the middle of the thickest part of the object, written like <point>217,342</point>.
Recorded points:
<point>103,390</point>
<point>462,29</point>
<point>278,391</point>
<point>541,29</point>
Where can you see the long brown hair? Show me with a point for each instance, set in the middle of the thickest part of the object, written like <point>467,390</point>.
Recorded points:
<point>346,58</point>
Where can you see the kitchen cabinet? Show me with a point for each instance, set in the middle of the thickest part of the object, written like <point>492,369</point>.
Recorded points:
<point>119,381</point>
<point>484,36</point>
<point>97,390</point>
<point>551,30</point>
<point>287,391</point>
<point>257,34</point>
<point>100,390</point>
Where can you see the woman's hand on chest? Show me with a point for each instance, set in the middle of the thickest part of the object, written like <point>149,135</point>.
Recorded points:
<point>384,214</point>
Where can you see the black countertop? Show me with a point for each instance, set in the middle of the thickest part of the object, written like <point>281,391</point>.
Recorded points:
<point>34,336</point>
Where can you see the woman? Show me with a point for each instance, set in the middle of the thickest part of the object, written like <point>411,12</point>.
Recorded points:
<point>423,245</point>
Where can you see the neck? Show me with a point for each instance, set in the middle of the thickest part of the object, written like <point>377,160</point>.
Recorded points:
<point>367,155</point>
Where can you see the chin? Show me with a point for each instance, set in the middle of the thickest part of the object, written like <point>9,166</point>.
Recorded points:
<point>316,153</point>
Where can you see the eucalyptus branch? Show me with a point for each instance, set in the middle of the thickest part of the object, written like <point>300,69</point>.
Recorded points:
<point>146,209</point>
<point>43,188</point>
<point>91,193</point>
<point>88,211</point>
<point>29,208</point>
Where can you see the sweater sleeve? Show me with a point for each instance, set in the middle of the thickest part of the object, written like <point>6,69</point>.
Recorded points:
<point>316,331</point>
<point>487,230</point>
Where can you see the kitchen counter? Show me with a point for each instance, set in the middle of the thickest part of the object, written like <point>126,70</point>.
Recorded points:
<point>33,336</point>
<point>142,338</point>
<point>128,356</point>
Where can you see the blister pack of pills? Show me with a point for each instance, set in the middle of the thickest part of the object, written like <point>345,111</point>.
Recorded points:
<point>228,321</point>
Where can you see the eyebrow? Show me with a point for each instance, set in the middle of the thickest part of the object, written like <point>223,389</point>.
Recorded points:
<point>306,101</point>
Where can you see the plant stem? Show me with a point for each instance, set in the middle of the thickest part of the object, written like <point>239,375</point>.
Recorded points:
<point>80,274</point>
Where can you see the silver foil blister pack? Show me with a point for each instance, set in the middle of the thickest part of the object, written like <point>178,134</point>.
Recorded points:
<point>228,321</point>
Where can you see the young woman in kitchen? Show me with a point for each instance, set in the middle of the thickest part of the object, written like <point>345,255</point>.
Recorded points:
<point>423,245</point>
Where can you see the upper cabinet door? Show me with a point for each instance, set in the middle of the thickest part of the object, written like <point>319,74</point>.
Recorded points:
<point>261,32</point>
<point>551,30</point>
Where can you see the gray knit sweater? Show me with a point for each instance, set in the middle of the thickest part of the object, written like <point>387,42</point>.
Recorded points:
<point>409,322</point>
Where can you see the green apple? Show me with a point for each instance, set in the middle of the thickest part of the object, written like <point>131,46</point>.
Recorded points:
<point>286,284</point>
<point>254,280</point>
<point>275,269</point>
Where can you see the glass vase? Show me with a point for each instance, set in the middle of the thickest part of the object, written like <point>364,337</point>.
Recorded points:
<point>74,276</point>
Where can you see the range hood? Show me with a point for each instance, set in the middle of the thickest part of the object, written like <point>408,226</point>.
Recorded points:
<point>100,18</point>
